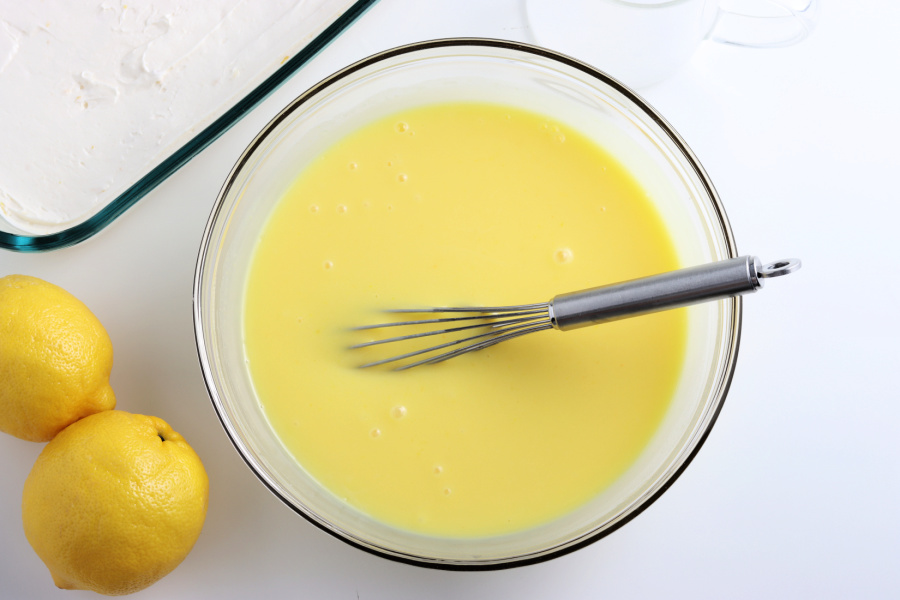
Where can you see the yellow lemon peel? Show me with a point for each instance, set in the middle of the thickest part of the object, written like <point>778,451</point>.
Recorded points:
<point>114,503</point>
<point>55,359</point>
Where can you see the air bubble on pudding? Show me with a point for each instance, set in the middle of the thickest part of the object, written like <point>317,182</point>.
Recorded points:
<point>314,208</point>
<point>402,177</point>
<point>352,166</point>
<point>447,491</point>
<point>342,209</point>
<point>398,412</point>
<point>375,433</point>
<point>437,470</point>
<point>560,137</point>
<point>402,127</point>
<point>328,265</point>
<point>563,256</point>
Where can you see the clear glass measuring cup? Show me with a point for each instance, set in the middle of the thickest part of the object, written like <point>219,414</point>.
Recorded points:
<point>641,42</point>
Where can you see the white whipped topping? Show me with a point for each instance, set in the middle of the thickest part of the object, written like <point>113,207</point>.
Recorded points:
<point>94,94</point>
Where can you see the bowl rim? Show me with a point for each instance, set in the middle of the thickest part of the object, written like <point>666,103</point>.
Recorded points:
<point>731,351</point>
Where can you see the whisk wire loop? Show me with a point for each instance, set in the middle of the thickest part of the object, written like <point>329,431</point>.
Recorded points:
<point>499,324</point>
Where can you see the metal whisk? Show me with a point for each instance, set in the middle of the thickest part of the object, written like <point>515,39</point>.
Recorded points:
<point>474,328</point>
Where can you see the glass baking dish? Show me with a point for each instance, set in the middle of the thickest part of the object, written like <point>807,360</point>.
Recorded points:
<point>115,96</point>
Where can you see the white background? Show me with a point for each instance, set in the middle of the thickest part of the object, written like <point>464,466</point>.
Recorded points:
<point>796,492</point>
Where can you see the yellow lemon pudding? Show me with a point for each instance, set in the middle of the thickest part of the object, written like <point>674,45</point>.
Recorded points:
<point>450,204</point>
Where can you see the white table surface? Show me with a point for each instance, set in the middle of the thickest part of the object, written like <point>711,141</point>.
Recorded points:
<point>796,492</point>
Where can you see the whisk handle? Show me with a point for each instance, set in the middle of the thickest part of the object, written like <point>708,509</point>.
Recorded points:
<point>713,281</point>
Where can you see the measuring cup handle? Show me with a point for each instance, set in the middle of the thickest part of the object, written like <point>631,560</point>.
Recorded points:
<point>763,23</point>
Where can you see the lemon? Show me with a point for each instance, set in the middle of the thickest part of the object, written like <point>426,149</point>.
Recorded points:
<point>55,359</point>
<point>114,502</point>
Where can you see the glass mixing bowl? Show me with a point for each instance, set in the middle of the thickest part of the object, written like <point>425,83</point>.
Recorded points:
<point>502,72</point>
